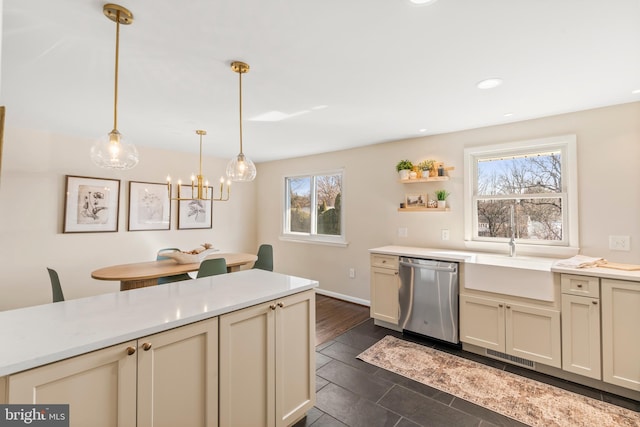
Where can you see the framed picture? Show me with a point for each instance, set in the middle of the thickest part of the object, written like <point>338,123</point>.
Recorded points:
<point>194,213</point>
<point>416,200</point>
<point>149,206</point>
<point>91,204</point>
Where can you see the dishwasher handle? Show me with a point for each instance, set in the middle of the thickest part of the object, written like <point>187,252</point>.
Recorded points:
<point>428,267</point>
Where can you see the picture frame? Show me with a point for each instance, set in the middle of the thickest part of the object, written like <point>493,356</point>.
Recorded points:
<point>149,206</point>
<point>194,214</point>
<point>416,201</point>
<point>91,204</point>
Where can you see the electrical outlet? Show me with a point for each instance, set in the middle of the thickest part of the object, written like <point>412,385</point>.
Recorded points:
<point>620,243</point>
<point>445,234</point>
<point>403,232</point>
<point>352,273</point>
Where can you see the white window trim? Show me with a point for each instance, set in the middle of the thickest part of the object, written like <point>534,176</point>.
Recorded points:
<point>567,144</point>
<point>319,239</point>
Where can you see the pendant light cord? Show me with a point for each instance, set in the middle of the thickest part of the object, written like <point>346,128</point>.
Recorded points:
<point>115,90</point>
<point>240,77</point>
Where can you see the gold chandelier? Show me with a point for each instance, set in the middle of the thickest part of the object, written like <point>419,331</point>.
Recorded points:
<point>200,189</point>
<point>113,152</point>
<point>241,168</point>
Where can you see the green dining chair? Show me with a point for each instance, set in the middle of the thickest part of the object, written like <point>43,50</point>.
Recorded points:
<point>212,267</point>
<point>56,289</point>
<point>265,258</point>
<point>170,279</point>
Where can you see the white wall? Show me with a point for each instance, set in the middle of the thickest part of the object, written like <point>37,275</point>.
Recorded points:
<point>31,216</point>
<point>609,193</point>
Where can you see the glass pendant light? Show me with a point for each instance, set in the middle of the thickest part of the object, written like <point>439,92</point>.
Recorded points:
<point>112,151</point>
<point>241,168</point>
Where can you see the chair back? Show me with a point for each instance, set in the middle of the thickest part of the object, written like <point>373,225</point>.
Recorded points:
<point>160,257</point>
<point>212,267</point>
<point>265,258</point>
<point>56,289</point>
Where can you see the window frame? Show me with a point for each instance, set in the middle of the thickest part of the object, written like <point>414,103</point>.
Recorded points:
<point>566,144</point>
<point>313,237</point>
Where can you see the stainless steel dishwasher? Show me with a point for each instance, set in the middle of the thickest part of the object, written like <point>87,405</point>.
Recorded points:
<point>429,298</point>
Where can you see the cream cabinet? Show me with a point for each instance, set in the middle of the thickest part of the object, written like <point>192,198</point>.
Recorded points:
<point>581,325</point>
<point>100,387</point>
<point>267,362</point>
<point>516,329</point>
<point>621,333</point>
<point>385,286</point>
<point>166,379</point>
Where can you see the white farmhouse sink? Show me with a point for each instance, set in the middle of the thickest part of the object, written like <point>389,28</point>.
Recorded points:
<point>520,276</point>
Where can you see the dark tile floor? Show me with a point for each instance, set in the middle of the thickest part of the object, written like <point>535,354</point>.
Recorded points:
<point>353,393</point>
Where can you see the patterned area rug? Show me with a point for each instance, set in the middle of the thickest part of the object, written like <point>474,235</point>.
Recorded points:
<point>528,401</point>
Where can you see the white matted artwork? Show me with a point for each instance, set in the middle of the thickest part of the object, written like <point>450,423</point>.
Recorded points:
<point>149,206</point>
<point>194,213</point>
<point>91,204</point>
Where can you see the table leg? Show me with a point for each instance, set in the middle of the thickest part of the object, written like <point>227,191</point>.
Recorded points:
<point>126,285</point>
<point>231,269</point>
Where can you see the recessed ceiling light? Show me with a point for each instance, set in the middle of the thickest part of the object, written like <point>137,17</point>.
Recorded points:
<point>423,2</point>
<point>423,130</point>
<point>508,114</point>
<point>489,83</point>
<point>635,92</point>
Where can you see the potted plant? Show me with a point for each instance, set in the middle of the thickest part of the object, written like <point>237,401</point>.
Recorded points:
<point>441,196</point>
<point>426,166</point>
<point>404,167</point>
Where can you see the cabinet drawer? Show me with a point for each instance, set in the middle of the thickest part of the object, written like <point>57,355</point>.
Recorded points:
<point>580,285</point>
<point>384,261</point>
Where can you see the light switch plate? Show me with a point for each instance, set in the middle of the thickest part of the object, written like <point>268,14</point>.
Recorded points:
<point>403,232</point>
<point>445,234</point>
<point>620,243</point>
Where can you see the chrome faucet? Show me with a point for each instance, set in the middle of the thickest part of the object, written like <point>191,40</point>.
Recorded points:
<point>512,241</point>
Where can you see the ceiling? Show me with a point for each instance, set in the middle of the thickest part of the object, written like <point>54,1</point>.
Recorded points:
<point>336,73</point>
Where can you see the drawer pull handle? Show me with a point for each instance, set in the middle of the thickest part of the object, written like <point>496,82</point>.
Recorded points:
<point>579,286</point>
<point>146,346</point>
<point>272,306</point>
<point>509,306</point>
<point>384,261</point>
<point>594,302</point>
<point>280,304</point>
<point>131,350</point>
<point>500,305</point>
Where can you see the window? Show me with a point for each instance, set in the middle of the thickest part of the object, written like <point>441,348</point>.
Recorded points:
<point>524,189</point>
<point>313,208</point>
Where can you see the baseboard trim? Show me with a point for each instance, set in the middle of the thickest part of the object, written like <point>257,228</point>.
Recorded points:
<point>344,297</point>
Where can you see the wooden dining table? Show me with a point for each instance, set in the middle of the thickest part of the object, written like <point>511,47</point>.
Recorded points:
<point>143,274</point>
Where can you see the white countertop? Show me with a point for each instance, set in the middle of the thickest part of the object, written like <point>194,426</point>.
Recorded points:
<point>501,260</point>
<point>38,335</point>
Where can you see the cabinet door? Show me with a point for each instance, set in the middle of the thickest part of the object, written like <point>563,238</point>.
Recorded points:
<point>384,294</point>
<point>620,337</point>
<point>581,335</point>
<point>482,322</point>
<point>178,377</point>
<point>247,367</point>
<point>100,387</point>
<point>295,357</point>
<point>533,333</point>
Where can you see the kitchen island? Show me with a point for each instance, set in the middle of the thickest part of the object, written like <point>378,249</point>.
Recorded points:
<point>197,352</point>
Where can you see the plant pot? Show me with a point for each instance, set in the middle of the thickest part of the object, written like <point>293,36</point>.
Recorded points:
<point>413,175</point>
<point>404,174</point>
<point>442,204</point>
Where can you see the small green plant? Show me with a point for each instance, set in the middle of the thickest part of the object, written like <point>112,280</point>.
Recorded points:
<point>426,164</point>
<point>442,195</point>
<point>404,164</point>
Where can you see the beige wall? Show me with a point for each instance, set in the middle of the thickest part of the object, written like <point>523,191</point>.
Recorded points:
<point>609,193</point>
<point>35,163</point>
<point>31,216</point>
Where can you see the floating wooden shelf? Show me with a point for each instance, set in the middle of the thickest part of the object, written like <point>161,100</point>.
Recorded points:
<point>430,179</point>
<point>423,209</point>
